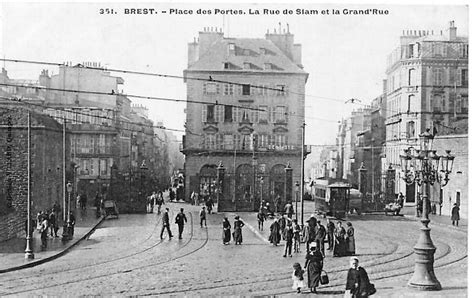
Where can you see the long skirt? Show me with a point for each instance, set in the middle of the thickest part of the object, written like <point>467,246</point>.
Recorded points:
<point>314,274</point>
<point>238,235</point>
<point>226,236</point>
<point>274,238</point>
<point>339,247</point>
<point>351,245</point>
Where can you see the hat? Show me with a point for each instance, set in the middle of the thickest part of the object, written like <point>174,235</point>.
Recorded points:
<point>237,217</point>
<point>312,244</point>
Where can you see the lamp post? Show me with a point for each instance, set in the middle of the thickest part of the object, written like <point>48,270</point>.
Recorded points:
<point>69,225</point>
<point>261,192</point>
<point>422,166</point>
<point>220,182</point>
<point>297,189</point>
<point>143,168</point>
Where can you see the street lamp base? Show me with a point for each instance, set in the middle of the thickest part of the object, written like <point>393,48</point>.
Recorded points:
<point>29,255</point>
<point>424,277</point>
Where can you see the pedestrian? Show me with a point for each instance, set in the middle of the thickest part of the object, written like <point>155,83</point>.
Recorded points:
<point>166,224</point>
<point>73,223</point>
<point>350,241</point>
<point>226,230</point>
<point>289,239</point>
<point>314,266</point>
<point>339,240</point>
<point>330,232</point>
<point>97,203</point>
<point>305,234</point>
<point>195,198</point>
<point>159,201</point>
<point>202,216</point>
<point>311,231</point>
<point>171,194</point>
<point>260,219</point>
<point>289,210</point>
<point>298,278</point>
<point>238,224</point>
<point>209,204</point>
<point>180,220</point>
<point>296,235</point>
<point>275,233</point>
<point>358,284</point>
<point>44,232</point>
<point>320,236</point>
<point>56,209</point>
<point>419,206</point>
<point>455,215</point>
<point>53,224</point>
<point>152,201</point>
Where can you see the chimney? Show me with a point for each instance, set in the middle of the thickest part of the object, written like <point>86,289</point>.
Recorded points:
<point>207,39</point>
<point>452,31</point>
<point>45,79</point>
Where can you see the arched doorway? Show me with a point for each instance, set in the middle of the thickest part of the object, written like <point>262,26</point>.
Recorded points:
<point>243,187</point>
<point>277,186</point>
<point>207,178</point>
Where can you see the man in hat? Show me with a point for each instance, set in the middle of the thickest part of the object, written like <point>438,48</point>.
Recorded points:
<point>455,215</point>
<point>180,220</point>
<point>320,236</point>
<point>166,224</point>
<point>202,216</point>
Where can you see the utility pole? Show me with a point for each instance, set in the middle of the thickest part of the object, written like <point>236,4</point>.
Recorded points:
<point>65,209</point>
<point>28,251</point>
<point>302,171</point>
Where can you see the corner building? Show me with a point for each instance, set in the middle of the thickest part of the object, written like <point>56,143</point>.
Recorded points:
<point>253,126</point>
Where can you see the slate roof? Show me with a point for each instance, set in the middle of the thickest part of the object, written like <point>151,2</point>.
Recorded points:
<point>441,38</point>
<point>217,55</point>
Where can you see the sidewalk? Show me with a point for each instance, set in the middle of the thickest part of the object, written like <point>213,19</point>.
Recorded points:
<point>12,251</point>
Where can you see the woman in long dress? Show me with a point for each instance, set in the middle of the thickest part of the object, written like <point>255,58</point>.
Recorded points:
<point>275,233</point>
<point>238,224</point>
<point>358,283</point>
<point>314,266</point>
<point>339,240</point>
<point>226,231</point>
<point>350,240</point>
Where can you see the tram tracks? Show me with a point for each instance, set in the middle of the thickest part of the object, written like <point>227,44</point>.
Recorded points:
<point>125,270</point>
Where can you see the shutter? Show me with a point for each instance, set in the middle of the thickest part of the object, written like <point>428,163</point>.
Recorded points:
<point>218,87</point>
<point>287,114</point>
<point>204,89</point>
<point>204,114</point>
<point>458,77</point>
<point>272,114</point>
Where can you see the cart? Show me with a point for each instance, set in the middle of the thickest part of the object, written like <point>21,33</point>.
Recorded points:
<point>110,208</point>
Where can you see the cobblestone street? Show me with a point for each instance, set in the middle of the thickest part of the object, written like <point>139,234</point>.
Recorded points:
<point>126,256</point>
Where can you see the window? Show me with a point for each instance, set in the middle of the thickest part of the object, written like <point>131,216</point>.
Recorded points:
<point>268,66</point>
<point>245,115</point>
<point>227,113</point>
<point>211,88</point>
<point>411,50</point>
<point>210,113</point>
<point>438,76</point>
<point>220,141</point>
<point>263,141</point>
<point>226,65</point>
<point>219,113</point>
<point>410,100</point>
<point>437,106</point>
<point>228,142</point>
<point>439,49</point>
<point>281,91</point>
<point>411,76</point>
<point>411,129</point>
<point>210,141</point>
<point>231,47</point>
<point>228,89</point>
<point>235,114</point>
<point>246,143</point>
<point>247,65</point>
<point>464,104</point>
<point>262,90</point>
<point>281,114</point>
<point>263,115</point>
<point>465,50</point>
<point>246,89</point>
<point>103,167</point>
<point>237,142</point>
<point>464,77</point>
<point>253,116</point>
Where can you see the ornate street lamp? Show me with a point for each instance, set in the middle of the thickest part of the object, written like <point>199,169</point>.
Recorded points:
<point>422,166</point>
<point>220,182</point>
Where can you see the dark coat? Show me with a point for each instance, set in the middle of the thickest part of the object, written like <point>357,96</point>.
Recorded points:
<point>455,213</point>
<point>314,265</point>
<point>166,219</point>
<point>358,276</point>
<point>181,219</point>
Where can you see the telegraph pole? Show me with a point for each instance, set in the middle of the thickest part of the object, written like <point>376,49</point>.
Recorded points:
<point>302,172</point>
<point>28,251</point>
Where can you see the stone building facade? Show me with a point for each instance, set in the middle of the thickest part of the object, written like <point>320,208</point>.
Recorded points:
<point>254,126</point>
<point>427,88</point>
<point>46,166</point>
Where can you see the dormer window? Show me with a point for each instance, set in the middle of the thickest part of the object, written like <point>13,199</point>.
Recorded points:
<point>231,47</point>
<point>262,51</point>
<point>268,66</point>
<point>246,52</point>
<point>226,65</point>
<point>247,65</point>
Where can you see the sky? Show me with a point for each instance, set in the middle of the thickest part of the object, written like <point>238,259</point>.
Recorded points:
<point>345,55</point>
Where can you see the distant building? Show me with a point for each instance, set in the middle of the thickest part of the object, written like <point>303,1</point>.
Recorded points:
<point>46,166</point>
<point>255,142</point>
<point>427,88</point>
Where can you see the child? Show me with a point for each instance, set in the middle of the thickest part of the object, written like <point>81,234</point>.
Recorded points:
<point>298,278</point>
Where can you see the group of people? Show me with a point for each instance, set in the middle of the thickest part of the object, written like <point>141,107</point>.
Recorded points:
<point>156,198</point>
<point>340,240</point>
<point>357,282</point>
<point>48,223</point>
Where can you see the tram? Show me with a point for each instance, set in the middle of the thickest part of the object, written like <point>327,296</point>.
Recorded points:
<point>331,197</point>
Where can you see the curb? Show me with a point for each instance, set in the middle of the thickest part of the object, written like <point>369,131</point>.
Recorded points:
<point>55,256</point>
